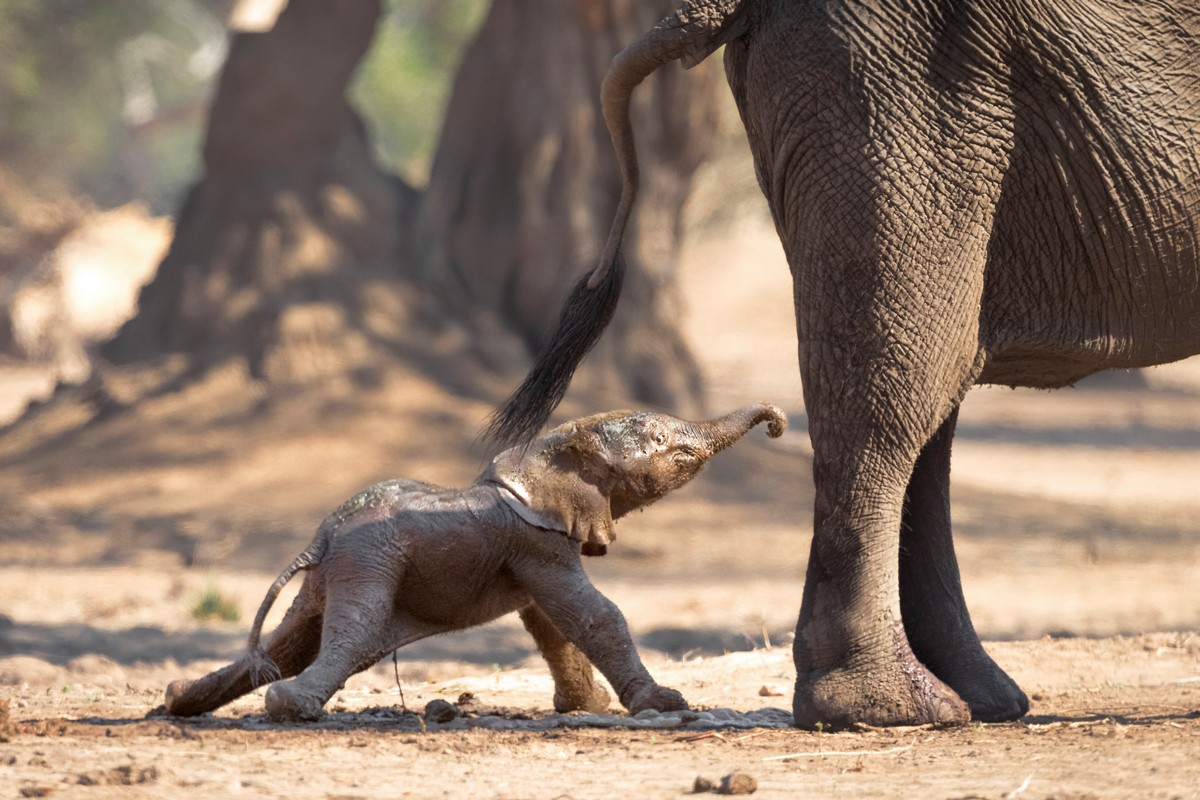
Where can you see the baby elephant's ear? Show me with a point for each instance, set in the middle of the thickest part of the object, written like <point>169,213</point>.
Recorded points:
<point>561,483</point>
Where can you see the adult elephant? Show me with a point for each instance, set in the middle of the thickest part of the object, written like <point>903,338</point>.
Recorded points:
<point>968,192</point>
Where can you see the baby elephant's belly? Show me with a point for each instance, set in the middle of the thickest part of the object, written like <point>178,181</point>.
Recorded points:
<point>444,567</point>
<point>452,601</point>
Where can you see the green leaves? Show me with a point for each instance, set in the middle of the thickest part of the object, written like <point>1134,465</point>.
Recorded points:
<point>404,83</point>
<point>107,97</point>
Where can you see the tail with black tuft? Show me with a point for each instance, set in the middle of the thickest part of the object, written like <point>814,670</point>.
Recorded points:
<point>583,319</point>
<point>690,33</point>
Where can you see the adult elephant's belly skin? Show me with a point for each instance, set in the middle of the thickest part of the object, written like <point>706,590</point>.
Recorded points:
<point>1092,259</point>
<point>1042,330</point>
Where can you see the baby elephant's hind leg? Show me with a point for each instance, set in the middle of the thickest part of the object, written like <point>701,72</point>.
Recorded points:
<point>575,687</point>
<point>292,646</point>
<point>353,637</point>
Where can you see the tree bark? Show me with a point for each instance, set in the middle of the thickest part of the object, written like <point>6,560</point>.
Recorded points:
<point>525,183</point>
<point>291,251</point>
<point>291,223</point>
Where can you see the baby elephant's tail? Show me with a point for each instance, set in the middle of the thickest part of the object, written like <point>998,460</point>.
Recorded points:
<point>262,669</point>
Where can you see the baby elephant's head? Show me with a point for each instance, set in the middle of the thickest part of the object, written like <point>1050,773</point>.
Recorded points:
<point>582,475</point>
<point>649,454</point>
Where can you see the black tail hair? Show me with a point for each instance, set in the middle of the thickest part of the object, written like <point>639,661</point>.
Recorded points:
<point>583,319</point>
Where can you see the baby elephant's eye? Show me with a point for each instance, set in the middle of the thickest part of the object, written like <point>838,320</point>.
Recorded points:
<point>661,438</point>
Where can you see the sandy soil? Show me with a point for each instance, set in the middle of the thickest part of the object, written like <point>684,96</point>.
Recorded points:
<point>1076,533</point>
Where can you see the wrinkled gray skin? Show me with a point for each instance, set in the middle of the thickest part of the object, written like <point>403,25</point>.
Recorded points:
<point>404,560</point>
<point>968,192</point>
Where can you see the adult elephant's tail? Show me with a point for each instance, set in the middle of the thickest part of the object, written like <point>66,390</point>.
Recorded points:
<point>690,34</point>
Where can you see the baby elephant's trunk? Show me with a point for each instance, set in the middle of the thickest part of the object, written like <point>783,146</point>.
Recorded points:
<point>723,431</point>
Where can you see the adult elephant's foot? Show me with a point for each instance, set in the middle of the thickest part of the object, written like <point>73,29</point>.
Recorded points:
<point>988,690</point>
<point>893,688</point>
<point>885,696</point>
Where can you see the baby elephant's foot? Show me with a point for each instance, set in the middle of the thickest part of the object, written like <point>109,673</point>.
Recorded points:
<point>288,703</point>
<point>173,701</point>
<point>660,698</point>
<point>591,697</point>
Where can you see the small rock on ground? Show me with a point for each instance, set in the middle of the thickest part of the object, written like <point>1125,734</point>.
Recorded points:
<point>733,783</point>
<point>737,783</point>
<point>440,711</point>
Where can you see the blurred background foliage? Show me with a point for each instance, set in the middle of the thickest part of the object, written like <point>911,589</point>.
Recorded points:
<point>107,98</point>
<point>403,84</point>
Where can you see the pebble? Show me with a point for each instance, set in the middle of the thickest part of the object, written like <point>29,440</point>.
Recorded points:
<point>737,783</point>
<point>733,783</point>
<point>440,711</point>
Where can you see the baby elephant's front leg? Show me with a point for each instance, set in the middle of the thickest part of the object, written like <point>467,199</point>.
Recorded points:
<point>575,687</point>
<point>596,626</point>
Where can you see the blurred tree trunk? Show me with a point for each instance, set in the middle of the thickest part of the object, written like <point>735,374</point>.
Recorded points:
<point>288,251</point>
<point>277,244</point>
<point>524,187</point>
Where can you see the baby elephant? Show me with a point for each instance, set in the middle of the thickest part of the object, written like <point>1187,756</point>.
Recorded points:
<point>404,560</point>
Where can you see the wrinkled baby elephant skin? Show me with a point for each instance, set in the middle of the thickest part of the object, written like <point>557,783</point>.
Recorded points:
<point>404,560</point>
<point>968,192</point>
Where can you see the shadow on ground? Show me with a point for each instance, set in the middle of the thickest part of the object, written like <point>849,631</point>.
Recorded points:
<point>487,645</point>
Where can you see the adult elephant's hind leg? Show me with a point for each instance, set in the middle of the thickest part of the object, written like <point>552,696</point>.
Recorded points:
<point>872,409</point>
<point>575,687</point>
<point>853,660</point>
<point>935,613</point>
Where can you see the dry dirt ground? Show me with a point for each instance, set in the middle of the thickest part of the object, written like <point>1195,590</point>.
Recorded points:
<point>1076,530</point>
